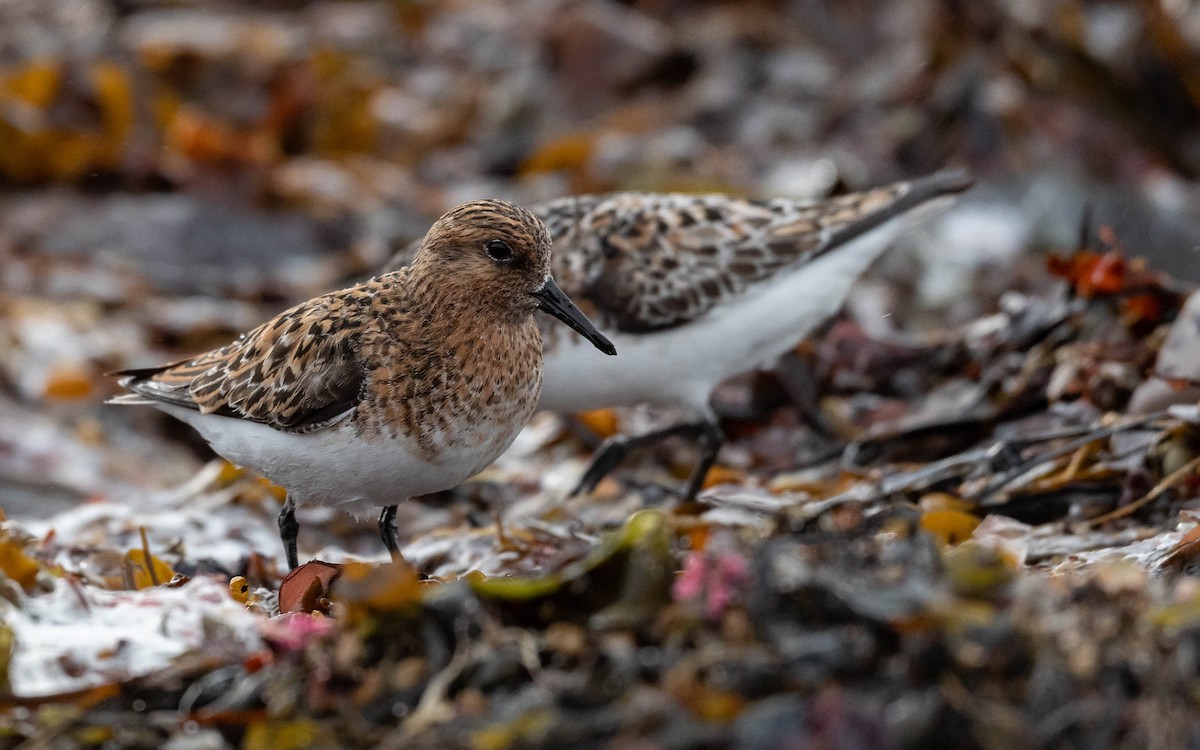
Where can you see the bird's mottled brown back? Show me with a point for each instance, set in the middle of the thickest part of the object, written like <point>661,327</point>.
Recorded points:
<point>297,372</point>
<point>653,262</point>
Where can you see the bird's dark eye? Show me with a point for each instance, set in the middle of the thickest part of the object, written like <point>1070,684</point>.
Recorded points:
<point>498,250</point>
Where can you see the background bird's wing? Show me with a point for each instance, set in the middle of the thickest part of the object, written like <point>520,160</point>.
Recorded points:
<point>297,372</point>
<point>650,262</point>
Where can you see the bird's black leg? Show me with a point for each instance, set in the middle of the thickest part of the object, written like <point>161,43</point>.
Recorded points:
<point>616,448</point>
<point>289,529</point>
<point>387,531</point>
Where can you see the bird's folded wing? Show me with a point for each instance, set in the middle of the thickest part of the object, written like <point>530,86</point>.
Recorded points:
<point>296,373</point>
<point>651,262</point>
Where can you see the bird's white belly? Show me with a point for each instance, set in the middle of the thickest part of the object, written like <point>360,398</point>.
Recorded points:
<point>680,366</point>
<point>335,467</point>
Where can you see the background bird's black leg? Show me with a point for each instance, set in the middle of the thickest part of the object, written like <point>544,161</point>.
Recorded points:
<point>711,440</point>
<point>387,531</point>
<point>616,448</point>
<point>289,529</point>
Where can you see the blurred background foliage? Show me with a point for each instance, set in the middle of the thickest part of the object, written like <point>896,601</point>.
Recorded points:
<point>387,112</point>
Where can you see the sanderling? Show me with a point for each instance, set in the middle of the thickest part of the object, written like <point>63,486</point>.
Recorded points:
<point>403,385</point>
<point>695,289</point>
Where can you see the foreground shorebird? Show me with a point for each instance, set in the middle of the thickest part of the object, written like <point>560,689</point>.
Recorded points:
<point>403,385</point>
<point>695,289</point>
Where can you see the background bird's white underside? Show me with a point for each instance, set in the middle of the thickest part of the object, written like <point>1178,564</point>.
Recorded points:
<point>680,366</point>
<point>332,467</point>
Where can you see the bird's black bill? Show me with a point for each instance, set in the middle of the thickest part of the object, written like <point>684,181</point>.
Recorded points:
<point>551,299</point>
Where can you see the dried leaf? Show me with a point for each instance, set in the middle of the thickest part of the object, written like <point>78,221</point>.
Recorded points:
<point>40,146</point>
<point>527,728</point>
<point>1142,308</point>
<point>7,645</point>
<point>16,564</point>
<point>976,570</point>
<point>287,735</point>
<point>305,588</point>
<point>569,153</point>
<point>603,422</point>
<point>239,589</point>
<point>716,705</point>
<point>949,527</point>
<point>1090,273</point>
<point>365,589</point>
<point>723,475</point>
<point>156,573</point>
<point>645,529</point>
<point>343,122</point>
<point>67,382</point>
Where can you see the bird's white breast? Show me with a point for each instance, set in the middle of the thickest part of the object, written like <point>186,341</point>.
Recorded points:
<point>335,467</point>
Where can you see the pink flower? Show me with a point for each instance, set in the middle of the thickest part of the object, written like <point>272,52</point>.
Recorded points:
<point>295,630</point>
<point>713,579</point>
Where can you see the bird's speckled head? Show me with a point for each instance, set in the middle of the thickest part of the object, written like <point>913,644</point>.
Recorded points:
<point>496,255</point>
<point>493,250</point>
